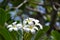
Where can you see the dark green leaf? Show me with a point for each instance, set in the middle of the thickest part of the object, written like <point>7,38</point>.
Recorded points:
<point>56,35</point>
<point>2,16</point>
<point>5,34</point>
<point>41,32</point>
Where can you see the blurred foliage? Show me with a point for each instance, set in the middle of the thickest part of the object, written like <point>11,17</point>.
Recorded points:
<point>2,18</point>
<point>41,33</point>
<point>55,35</point>
<point>5,34</point>
<point>6,17</point>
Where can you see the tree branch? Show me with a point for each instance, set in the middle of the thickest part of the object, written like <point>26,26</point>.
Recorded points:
<point>53,18</point>
<point>21,4</point>
<point>57,4</point>
<point>41,4</point>
<point>31,9</point>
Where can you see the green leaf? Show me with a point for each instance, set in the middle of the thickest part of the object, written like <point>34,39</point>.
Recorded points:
<point>49,9</point>
<point>40,33</point>
<point>2,16</point>
<point>31,3</point>
<point>56,35</point>
<point>48,18</point>
<point>27,36</point>
<point>14,35</point>
<point>7,15</point>
<point>5,34</point>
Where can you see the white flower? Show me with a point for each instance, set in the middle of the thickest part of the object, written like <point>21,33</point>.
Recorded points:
<point>27,21</point>
<point>31,25</point>
<point>30,28</point>
<point>14,26</point>
<point>30,21</point>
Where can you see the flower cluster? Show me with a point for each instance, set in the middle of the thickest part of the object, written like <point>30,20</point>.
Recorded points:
<point>14,26</point>
<point>29,25</point>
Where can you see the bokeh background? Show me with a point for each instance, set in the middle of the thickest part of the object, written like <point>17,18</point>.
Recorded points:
<point>46,11</point>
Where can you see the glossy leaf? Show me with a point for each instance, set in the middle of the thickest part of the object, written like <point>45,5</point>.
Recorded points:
<point>5,34</point>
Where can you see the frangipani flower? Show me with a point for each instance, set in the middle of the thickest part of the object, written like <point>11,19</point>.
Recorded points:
<point>31,25</point>
<point>30,21</point>
<point>30,28</point>
<point>14,26</point>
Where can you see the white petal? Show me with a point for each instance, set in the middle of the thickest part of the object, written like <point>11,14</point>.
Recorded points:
<point>40,26</point>
<point>24,21</point>
<point>26,26</point>
<point>26,29</point>
<point>36,21</point>
<point>10,29</point>
<point>33,31</point>
<point>14,23</point>
<point>19,26</point>
<point>35,28</point>
<point>31,19</point>
<point>6,24</point>
<point>15,29</point>
<point>30,23</point>
<point>9,26</point>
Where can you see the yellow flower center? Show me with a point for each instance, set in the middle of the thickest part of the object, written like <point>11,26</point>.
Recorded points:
<point>30,27</point>
<point>14,26</point>
<point>28,20</point>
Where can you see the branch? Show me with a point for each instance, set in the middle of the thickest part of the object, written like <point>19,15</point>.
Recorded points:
<point>54,8</point>
<point>53,18</point>
<point>38,16</point>
<point>21,4</point>
<point>41,4</point>
<point>35,10</point>
<point>57,4</point>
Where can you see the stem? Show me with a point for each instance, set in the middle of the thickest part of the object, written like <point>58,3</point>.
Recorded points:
<point>21,4</point>
<point>20,35</point>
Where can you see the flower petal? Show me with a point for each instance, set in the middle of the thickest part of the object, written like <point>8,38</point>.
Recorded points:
<point>14,23</point>
<point>15,29</point>
<point>19,26</point>
<point>9,26</point>
<point>26,29</point>
<point>33,31</point>
<point>40,26</point>
<point>36,28</point>
<point>10,29</point>
<point>26,26</point>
